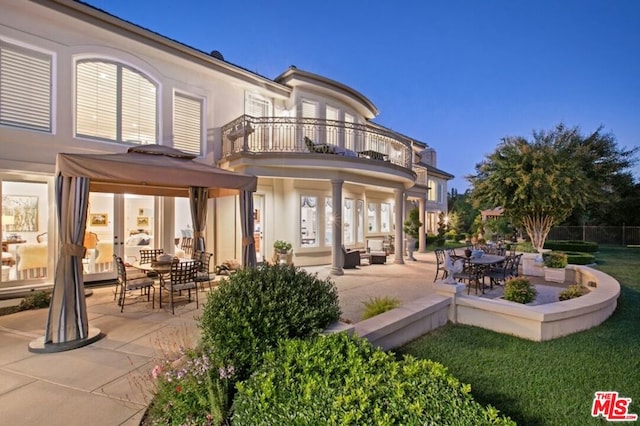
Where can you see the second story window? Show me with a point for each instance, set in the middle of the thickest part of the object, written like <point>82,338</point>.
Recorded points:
<point>25,88</point>
<point>115,102</point>
<point>187,124</point>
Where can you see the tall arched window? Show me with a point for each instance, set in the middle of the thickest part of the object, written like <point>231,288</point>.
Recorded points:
<point>115,102</point>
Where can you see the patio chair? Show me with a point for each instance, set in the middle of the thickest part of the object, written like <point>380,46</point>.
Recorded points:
<point>440,264</point>
<point>498,275</point>
<point>351,258</point>
<point>204,274</point>
<point>124,284</point>
<point>319,148</point>
<point>182,277</point>
<point>471,274</point>
<point>150,255</point>
<point>187,246</point>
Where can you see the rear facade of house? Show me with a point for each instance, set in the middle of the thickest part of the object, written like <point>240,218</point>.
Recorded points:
<point>74,79</point>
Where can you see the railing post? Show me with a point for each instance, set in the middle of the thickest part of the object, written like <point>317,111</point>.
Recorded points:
<point>623,236</point>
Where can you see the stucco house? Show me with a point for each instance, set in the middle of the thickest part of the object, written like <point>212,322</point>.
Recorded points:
<point>75,79</point>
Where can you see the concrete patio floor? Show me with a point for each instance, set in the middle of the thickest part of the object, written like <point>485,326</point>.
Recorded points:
<point>108,382</point>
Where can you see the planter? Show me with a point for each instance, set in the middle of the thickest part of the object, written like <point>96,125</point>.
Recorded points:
<point>555,275</point>
<point>532,265</point>
<point>411,246</point>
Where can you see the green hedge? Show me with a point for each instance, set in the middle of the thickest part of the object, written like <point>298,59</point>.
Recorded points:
<point>577,258</point>
<point>256,307</point>
<point>572,245</point>
<point>343,380</point>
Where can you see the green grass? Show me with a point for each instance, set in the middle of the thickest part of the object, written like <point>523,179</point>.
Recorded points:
<point>550,383</point>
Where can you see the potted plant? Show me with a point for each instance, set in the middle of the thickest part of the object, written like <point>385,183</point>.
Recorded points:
<point>283,253</point>
<point>282,247</point>
<point>554,266</point>
<point>412,230</point>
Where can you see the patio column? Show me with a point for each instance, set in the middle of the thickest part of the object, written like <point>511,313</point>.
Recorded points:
<point>399,199</point>
<point>336,249</point>
<point>422,238</point>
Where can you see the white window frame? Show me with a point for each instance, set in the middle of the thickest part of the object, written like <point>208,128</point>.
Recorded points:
<point>28,85</point>
<point>120,107</point>
<point>188,135</point>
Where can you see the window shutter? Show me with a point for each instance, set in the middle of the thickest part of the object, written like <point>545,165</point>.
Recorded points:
<point>187,124</point>
<point>116,103</point>
<point>97,100</point>
<point>256,107</point>
<point>138,108</point>
<point>25,88</point>
<point>309,110</point>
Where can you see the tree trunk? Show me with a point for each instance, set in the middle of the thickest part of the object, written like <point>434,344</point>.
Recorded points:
<point>538,227</point>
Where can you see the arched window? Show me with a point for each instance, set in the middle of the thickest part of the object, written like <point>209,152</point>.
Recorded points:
<point>115,102</point>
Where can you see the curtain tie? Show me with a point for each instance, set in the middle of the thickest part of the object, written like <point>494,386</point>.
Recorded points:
<point>247,241</point>
<point>197,234</point>
<point>69,249</point>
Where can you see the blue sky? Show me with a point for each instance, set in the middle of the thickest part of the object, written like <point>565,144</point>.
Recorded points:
<point>458,75</point>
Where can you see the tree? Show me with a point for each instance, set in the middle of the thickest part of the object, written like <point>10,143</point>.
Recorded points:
<point>538,183</point>
<point>607,168</point>
<point>461,205</point>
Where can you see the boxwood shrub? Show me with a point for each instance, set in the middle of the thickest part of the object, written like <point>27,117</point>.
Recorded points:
<point>577,258</point>
<point>571,245</point>
<point>339,379</point>
<point>255,307</point>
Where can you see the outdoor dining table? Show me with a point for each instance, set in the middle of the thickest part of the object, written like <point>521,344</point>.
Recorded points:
<point>483,264</point>
<point>160,268</point>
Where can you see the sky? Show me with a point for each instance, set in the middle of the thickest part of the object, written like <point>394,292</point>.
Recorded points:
<point>458,75</point>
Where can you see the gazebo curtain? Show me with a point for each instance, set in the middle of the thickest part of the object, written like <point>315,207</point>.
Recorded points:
<point>198,202</point>
<point>246,219</point>
<point>67,319</point>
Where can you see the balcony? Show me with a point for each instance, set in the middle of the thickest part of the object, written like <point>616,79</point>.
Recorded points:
<point>364,142</point>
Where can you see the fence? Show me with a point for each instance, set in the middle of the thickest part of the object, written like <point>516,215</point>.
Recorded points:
<point>623,235</point>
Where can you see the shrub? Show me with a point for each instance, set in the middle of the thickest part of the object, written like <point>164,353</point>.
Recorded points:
<point>526,247</point>
<point>192,389</point>
<point>519,290</point>
<point>431,238</point>
<point>37,300</point>
<point>571,245</point>
<point>377,305</point>
<point>573,291</point>
<point>255,307</point>
<point>577,258</point>
<point>338,379</point>
<point>555,259</point>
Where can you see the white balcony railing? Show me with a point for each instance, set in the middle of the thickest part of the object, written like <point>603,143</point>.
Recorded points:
<point>248,134</point>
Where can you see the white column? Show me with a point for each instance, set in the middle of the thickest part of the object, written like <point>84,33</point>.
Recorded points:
<point>337,260</point>
<point>422,238</point>
<point>399,199</point>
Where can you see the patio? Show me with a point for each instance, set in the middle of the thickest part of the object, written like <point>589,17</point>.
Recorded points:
<point>107,382</point>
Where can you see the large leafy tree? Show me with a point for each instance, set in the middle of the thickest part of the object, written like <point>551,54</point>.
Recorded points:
<point>607,167</point>
<point>538,182</point>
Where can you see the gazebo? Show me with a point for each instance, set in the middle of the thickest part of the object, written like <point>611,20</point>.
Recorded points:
<point>143,170</point>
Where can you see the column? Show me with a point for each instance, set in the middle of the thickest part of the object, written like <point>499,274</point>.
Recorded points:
<point>399,200</point>
<point>337,260</point>
<point>422,238</point>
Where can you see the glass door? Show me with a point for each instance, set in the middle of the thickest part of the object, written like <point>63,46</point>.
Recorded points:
<point>258,226</point>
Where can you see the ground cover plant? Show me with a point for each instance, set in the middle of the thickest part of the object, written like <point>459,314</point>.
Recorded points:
<point>377,305</point>
<point>550,383</point>
<point>340,379</point>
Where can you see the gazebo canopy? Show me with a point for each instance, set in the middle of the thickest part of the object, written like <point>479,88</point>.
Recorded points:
<point>145,170</point>
<point>152,170</point>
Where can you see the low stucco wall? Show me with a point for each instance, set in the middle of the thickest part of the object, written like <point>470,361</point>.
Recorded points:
<point>540,322</point>
<point>398,326</point>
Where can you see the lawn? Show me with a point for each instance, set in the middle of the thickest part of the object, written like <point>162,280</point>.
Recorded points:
<point>550,383</point>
